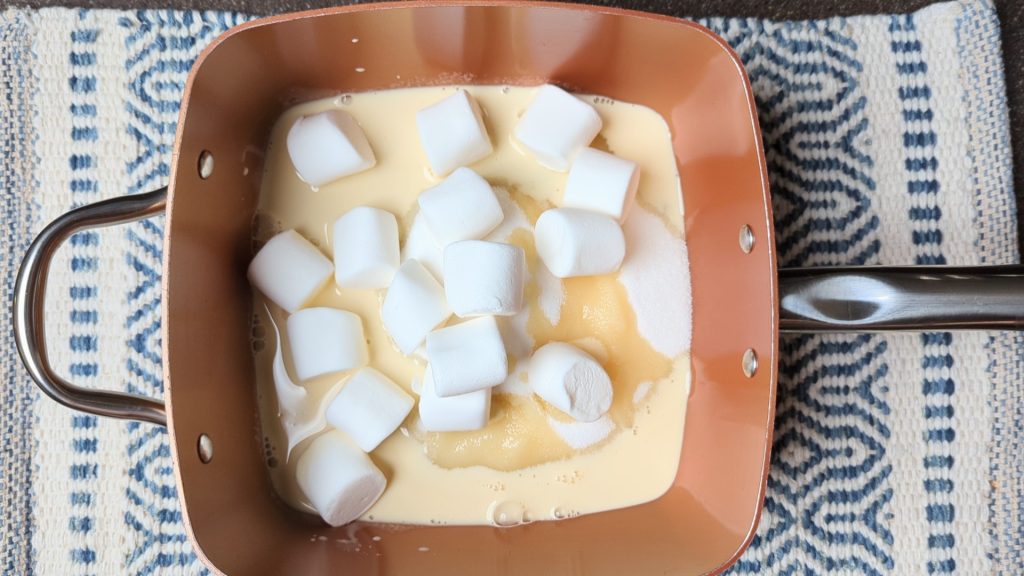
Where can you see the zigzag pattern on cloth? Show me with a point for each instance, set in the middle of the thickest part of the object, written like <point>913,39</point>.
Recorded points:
<point>831,421</point>
<point>162,47</point>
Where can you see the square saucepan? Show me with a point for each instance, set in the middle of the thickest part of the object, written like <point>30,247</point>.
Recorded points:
<point>237,89</point>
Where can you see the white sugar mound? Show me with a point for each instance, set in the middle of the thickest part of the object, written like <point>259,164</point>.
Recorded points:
<point>515,218</point>
<point>656,275</point>
<point>580,435</point>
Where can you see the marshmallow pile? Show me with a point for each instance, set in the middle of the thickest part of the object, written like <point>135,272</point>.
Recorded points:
<point>445,290</point>
<point>335,472</point>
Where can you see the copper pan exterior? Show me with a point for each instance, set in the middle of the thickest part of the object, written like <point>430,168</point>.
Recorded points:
<point>237,89</point>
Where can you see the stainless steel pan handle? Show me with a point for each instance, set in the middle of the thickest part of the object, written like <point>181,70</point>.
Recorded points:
<point>887,298</point>
<point>29,300</point>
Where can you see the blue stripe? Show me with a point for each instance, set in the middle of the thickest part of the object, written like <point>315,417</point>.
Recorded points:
<point>84,369</point>
<point>80,161</point>
<point>83,185</point>
<point>945,462</point>
<point>938,486</point>
<point>84,471</point>
<point>82,84</point>
<point>83,556</point>
<point>82,58</point>
<point>85,134</point>
<point>83,421</point>
<point>923,186</point>
<point>81,524</point>
<point>82,292</point>
<point>86,36</point>
<point>81,499</point>
<point>87,238</point>
<point>940,513</point>
<point>84,264</point>
<point>947,566</point>
<point>944,386</point>
<point>918,213</point>
<point>82,343</point>
<point>942,435</point>
<point>83,110</point>
<point>84,445</point>
<point>919,139</point>
<point>84,316</point>
<point>938,412</point>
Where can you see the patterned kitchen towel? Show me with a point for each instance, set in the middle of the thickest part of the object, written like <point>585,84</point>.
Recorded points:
<point>887,142</point>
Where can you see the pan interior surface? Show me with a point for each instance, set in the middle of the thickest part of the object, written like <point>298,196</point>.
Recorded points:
<point>242,84</point>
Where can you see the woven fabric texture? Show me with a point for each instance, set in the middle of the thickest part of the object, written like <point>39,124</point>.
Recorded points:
<point>887,143</point>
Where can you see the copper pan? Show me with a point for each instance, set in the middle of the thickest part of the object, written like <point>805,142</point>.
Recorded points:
<point>247,77</point>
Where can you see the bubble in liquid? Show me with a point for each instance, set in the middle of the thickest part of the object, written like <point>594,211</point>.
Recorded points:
<point>558,513</point>
<point>343,100</point>
<point>504,89</point>
<point>423,549</point>
<point>360,69</point>
<point>376,538</point>
<point>272,462</point>
<point>258,345</point>
<point>506,513</point>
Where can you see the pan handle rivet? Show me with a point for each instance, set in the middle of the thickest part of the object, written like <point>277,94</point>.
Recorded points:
<point>746,239</point>
<point>749,363</point>
<point>205,164</point>
<point>205,448</point>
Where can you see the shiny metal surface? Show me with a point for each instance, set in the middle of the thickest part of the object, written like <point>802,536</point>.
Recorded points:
<point>29,301</point>
<point>749,363</point>
<point>886,298</point>
<point>746,239</point>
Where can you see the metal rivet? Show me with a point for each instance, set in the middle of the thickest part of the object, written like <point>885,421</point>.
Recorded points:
<point>746,239</point>
<point>749,363</point>
<point>205,164</point>
<point>205,446</point>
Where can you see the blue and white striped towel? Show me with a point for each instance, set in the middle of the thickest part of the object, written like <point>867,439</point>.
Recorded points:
<point>887,142</point>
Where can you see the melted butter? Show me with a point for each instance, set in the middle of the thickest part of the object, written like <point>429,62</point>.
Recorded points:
<point>518,461</point>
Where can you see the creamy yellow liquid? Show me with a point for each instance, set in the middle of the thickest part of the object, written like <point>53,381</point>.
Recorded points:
<point>517,468</point>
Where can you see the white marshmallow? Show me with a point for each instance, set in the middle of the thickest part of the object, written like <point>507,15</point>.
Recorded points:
<point>365,248</point>
<point>452,133</point>
<point>413,306</point>
<point>574,242</point>
<point>420,245</point>
<point>325,340</point>
<point>556,126</point>
<point>340,481</point>
<point>463,207</point>
<point>601,182</point>
<point>369,408</point>
<point>484,278</point>
<point>289,270</point>
<point>459,413</point>
<point>571,380</point>
<point>326,146</point>
<point>467,357</point>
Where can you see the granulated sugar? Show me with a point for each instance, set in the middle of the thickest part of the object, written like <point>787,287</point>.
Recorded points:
<point>656,275</point>
<point>550,294</point>
<point>514,217</point>
<point>580,435</point>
